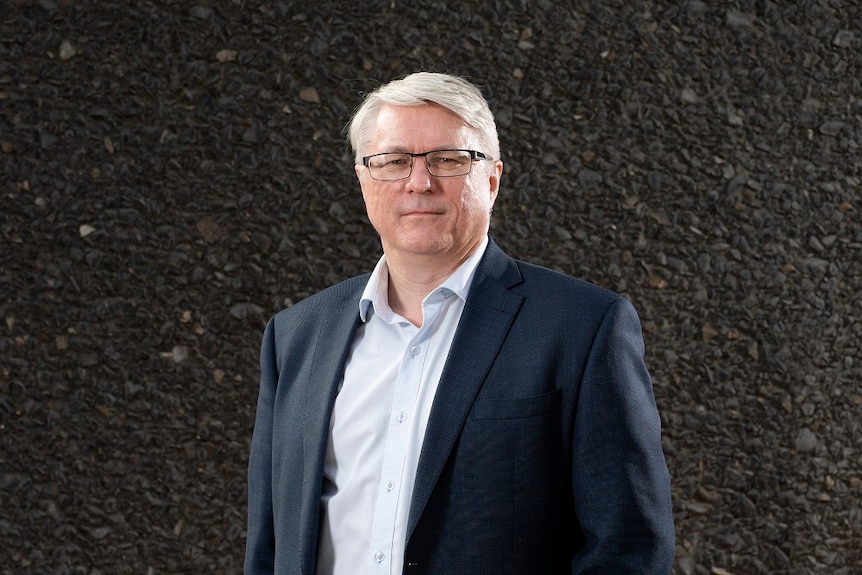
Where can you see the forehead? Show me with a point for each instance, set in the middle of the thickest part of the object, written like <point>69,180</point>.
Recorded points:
<point>419,128</point>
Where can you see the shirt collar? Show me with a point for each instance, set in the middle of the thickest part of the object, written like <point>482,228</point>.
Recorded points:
<point>376,292</point>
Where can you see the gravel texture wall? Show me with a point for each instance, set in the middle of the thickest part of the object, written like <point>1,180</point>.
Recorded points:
<point>172,173</point>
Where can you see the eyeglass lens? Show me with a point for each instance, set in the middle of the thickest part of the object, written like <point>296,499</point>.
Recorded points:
<point>442,163</point>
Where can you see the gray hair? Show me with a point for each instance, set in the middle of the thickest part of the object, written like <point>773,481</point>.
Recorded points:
<point>451,92</point>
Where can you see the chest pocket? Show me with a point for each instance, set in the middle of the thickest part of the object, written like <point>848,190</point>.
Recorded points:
<point>516,408</point>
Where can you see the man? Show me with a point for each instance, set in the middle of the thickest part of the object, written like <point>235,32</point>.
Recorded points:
<point>456,411</point>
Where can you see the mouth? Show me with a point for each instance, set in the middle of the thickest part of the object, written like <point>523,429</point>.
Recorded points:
<point>421,212</point>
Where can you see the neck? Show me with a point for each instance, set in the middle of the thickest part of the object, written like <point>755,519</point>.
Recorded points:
<point>413,277</point>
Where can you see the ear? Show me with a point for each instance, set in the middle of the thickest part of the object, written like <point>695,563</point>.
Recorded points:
<point>360,171</point>
<point>494,180</point>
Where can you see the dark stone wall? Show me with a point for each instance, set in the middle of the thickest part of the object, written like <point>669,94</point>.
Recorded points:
<point>172,173</point>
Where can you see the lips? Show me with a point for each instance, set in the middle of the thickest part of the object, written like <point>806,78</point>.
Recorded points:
<point>422,212</point>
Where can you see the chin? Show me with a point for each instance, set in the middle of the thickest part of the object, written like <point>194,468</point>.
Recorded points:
<point>426,246</point>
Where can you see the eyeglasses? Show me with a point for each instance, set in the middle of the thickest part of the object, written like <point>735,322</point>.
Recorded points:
<point>391,166</point>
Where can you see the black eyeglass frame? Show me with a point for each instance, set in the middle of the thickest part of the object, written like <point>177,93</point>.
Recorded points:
<point>475,156</point>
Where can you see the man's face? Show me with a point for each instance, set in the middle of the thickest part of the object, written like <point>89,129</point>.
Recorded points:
<point>425,215</point>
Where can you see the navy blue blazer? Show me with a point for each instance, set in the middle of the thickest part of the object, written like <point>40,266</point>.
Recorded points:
<point>542,454</point>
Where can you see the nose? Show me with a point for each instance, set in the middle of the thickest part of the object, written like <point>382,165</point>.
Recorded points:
<point>420,179</point>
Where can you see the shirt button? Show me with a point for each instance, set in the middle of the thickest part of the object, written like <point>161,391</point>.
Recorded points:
<point>379,556</point>
<point>402,416</point>
<point>390,486</point>
<point>415,350</point>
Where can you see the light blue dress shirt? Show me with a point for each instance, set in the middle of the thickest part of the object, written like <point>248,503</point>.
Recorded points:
<point>378,424</point>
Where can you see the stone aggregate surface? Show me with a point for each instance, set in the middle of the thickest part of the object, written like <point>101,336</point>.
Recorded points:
<point>174,172</point>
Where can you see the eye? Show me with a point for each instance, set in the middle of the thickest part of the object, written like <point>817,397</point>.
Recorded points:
<point>390,161</point>
<point>448,160</point>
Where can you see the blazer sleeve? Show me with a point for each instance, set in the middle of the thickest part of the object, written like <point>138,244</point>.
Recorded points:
<point>260,542</point>
<point>621,484</point>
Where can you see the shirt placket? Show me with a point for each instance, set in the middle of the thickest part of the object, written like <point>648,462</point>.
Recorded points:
<point>399,437</point>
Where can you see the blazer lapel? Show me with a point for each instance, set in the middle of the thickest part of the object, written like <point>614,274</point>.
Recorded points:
<point>340,316</point>
<point>488,314</point>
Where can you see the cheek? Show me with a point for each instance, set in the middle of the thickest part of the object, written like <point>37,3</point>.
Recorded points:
<point>369,196</point>
<point>376,208</point>
<point>476,200</point>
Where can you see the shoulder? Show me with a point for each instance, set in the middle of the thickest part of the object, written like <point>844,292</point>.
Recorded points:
<point>537,276</point>
<point>335,299</point>
<point>572,307</point>
<point>544,290</point>
<point>557,287</point>
<point>332,310</point>
<point>560,299</point>
<point>534,280</point>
